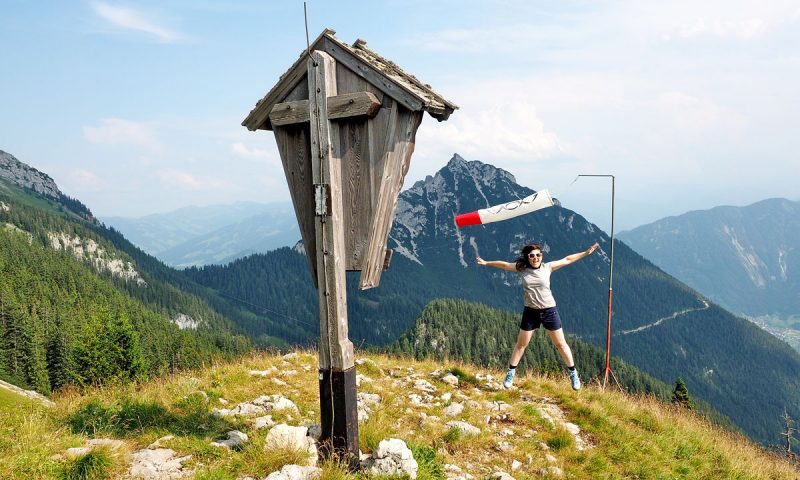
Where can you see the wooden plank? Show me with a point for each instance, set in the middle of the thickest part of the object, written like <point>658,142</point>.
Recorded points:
<point>336,350</point>
<point>370,74</point>
<point>296,158</point>
<point>357,104</point>
<point>299,92</point>
<point>357,204</point>
<point>377,129</point>
<point>399,147</point>
<point>293,144</point>
<point>288,113</point>
<point>356,169</point>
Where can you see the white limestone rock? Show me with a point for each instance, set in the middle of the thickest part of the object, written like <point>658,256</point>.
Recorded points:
<point>501,476</point>
<point>466,428</point>
<point>450,379</point>
<point>296,472</point>
<point>498,406</point>
<point>296,438</point>
<point>263,373</point>
<point>261,423</point>
<point>392,457</point>
<point>424,386</point>
<point>276,402</point>
<point>76,452</point>
<point>453,410</point>
<point>365,403</point>
<point>235,440</point>
<point>552,471</point>
<point>185,322</point>
<point>504,446</point>
<point>158,464</point>
<point>361,379</point>
<point>315,431</point>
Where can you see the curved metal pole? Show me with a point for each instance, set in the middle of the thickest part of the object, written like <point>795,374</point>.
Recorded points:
<point>608,370</point>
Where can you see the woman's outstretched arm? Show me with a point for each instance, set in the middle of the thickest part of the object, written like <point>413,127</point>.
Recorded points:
<point>497,263</point>
<point>573,258</point>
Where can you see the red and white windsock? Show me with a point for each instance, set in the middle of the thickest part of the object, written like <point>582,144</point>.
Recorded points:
<point>531,203</point>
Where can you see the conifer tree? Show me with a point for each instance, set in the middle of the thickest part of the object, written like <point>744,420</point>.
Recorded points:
<point>680,396</point>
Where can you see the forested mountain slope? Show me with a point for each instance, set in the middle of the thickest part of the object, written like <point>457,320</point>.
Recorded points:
<point>74,308</point>
<point>660,325</point>
<point>747,259</point>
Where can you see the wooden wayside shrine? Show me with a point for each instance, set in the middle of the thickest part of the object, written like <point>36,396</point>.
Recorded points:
<point>345,121</point>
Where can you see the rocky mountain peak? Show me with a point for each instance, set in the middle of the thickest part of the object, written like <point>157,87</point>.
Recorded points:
<point>26,176</point>
<point>478,170</point>
<point>471,179</point>
<point>426,211</point>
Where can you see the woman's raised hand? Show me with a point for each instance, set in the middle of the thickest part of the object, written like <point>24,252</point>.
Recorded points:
<point>480,260</point>
<point>593,248</point>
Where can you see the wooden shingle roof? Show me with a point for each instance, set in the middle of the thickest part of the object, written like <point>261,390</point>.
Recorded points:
<point>380,72</point>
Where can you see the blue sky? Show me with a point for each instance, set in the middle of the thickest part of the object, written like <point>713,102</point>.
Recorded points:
<point>135,107</point>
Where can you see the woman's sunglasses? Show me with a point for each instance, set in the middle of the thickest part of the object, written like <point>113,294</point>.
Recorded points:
<point>532,255</point>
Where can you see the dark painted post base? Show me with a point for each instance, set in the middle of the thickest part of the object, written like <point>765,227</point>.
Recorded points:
<point>339,414</point>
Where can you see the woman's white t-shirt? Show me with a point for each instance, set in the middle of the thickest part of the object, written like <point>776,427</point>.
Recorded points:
<point>536,287</point>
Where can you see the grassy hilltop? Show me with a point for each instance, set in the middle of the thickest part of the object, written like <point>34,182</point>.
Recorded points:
<point>621,436</point>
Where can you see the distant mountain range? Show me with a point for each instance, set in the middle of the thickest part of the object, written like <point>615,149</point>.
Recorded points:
<point>660,325</point>
<point>217,234</point>
<point>70,288</point>
<point>747,259</point>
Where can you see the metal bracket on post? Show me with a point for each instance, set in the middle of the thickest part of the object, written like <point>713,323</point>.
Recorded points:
<point>322,200</point>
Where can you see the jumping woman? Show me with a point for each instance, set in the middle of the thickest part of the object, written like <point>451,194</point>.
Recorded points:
<point>540,306</point>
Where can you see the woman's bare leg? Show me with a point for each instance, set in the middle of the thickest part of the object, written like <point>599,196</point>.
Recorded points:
<point>557,337</point>
<point>523,339</point>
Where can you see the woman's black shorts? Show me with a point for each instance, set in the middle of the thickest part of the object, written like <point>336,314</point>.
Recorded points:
<point>533,317</point>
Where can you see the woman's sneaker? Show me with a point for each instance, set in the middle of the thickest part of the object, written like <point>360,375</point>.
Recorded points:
<point>509,378</point>
<point>573,377</point>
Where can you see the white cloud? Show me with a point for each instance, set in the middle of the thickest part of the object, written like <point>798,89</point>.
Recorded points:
<point>696,116</point>
<point>85,180</point>
<point>127,18</point>
<point>506,130</point>
<point>742,29</point>
<point>258,154</point>
<point>503,38</point>
<point>178,178</point>
<point>116,131</point>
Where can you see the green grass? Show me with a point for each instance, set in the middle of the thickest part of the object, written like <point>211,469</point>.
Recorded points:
<point>629,436</point>
<point>95,465</point>
<point>9,398</point>
<point>32,199</point>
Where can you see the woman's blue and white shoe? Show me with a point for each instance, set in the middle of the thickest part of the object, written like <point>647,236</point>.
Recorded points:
<point>509,378</point>
<point>573,377</point>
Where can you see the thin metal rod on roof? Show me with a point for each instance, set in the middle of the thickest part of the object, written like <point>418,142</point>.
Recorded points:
<point>308,43</point>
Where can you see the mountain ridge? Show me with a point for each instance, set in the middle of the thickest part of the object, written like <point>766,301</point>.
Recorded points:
<point>435,259</point>
<point>744,258</point>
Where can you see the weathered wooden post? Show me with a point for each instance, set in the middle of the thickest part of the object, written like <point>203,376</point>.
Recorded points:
<point>344,120</point>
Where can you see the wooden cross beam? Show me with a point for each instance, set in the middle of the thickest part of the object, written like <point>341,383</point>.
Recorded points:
<point>347,106</point>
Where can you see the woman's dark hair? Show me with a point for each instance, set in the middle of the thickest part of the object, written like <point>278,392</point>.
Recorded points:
<point>522,260</point>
